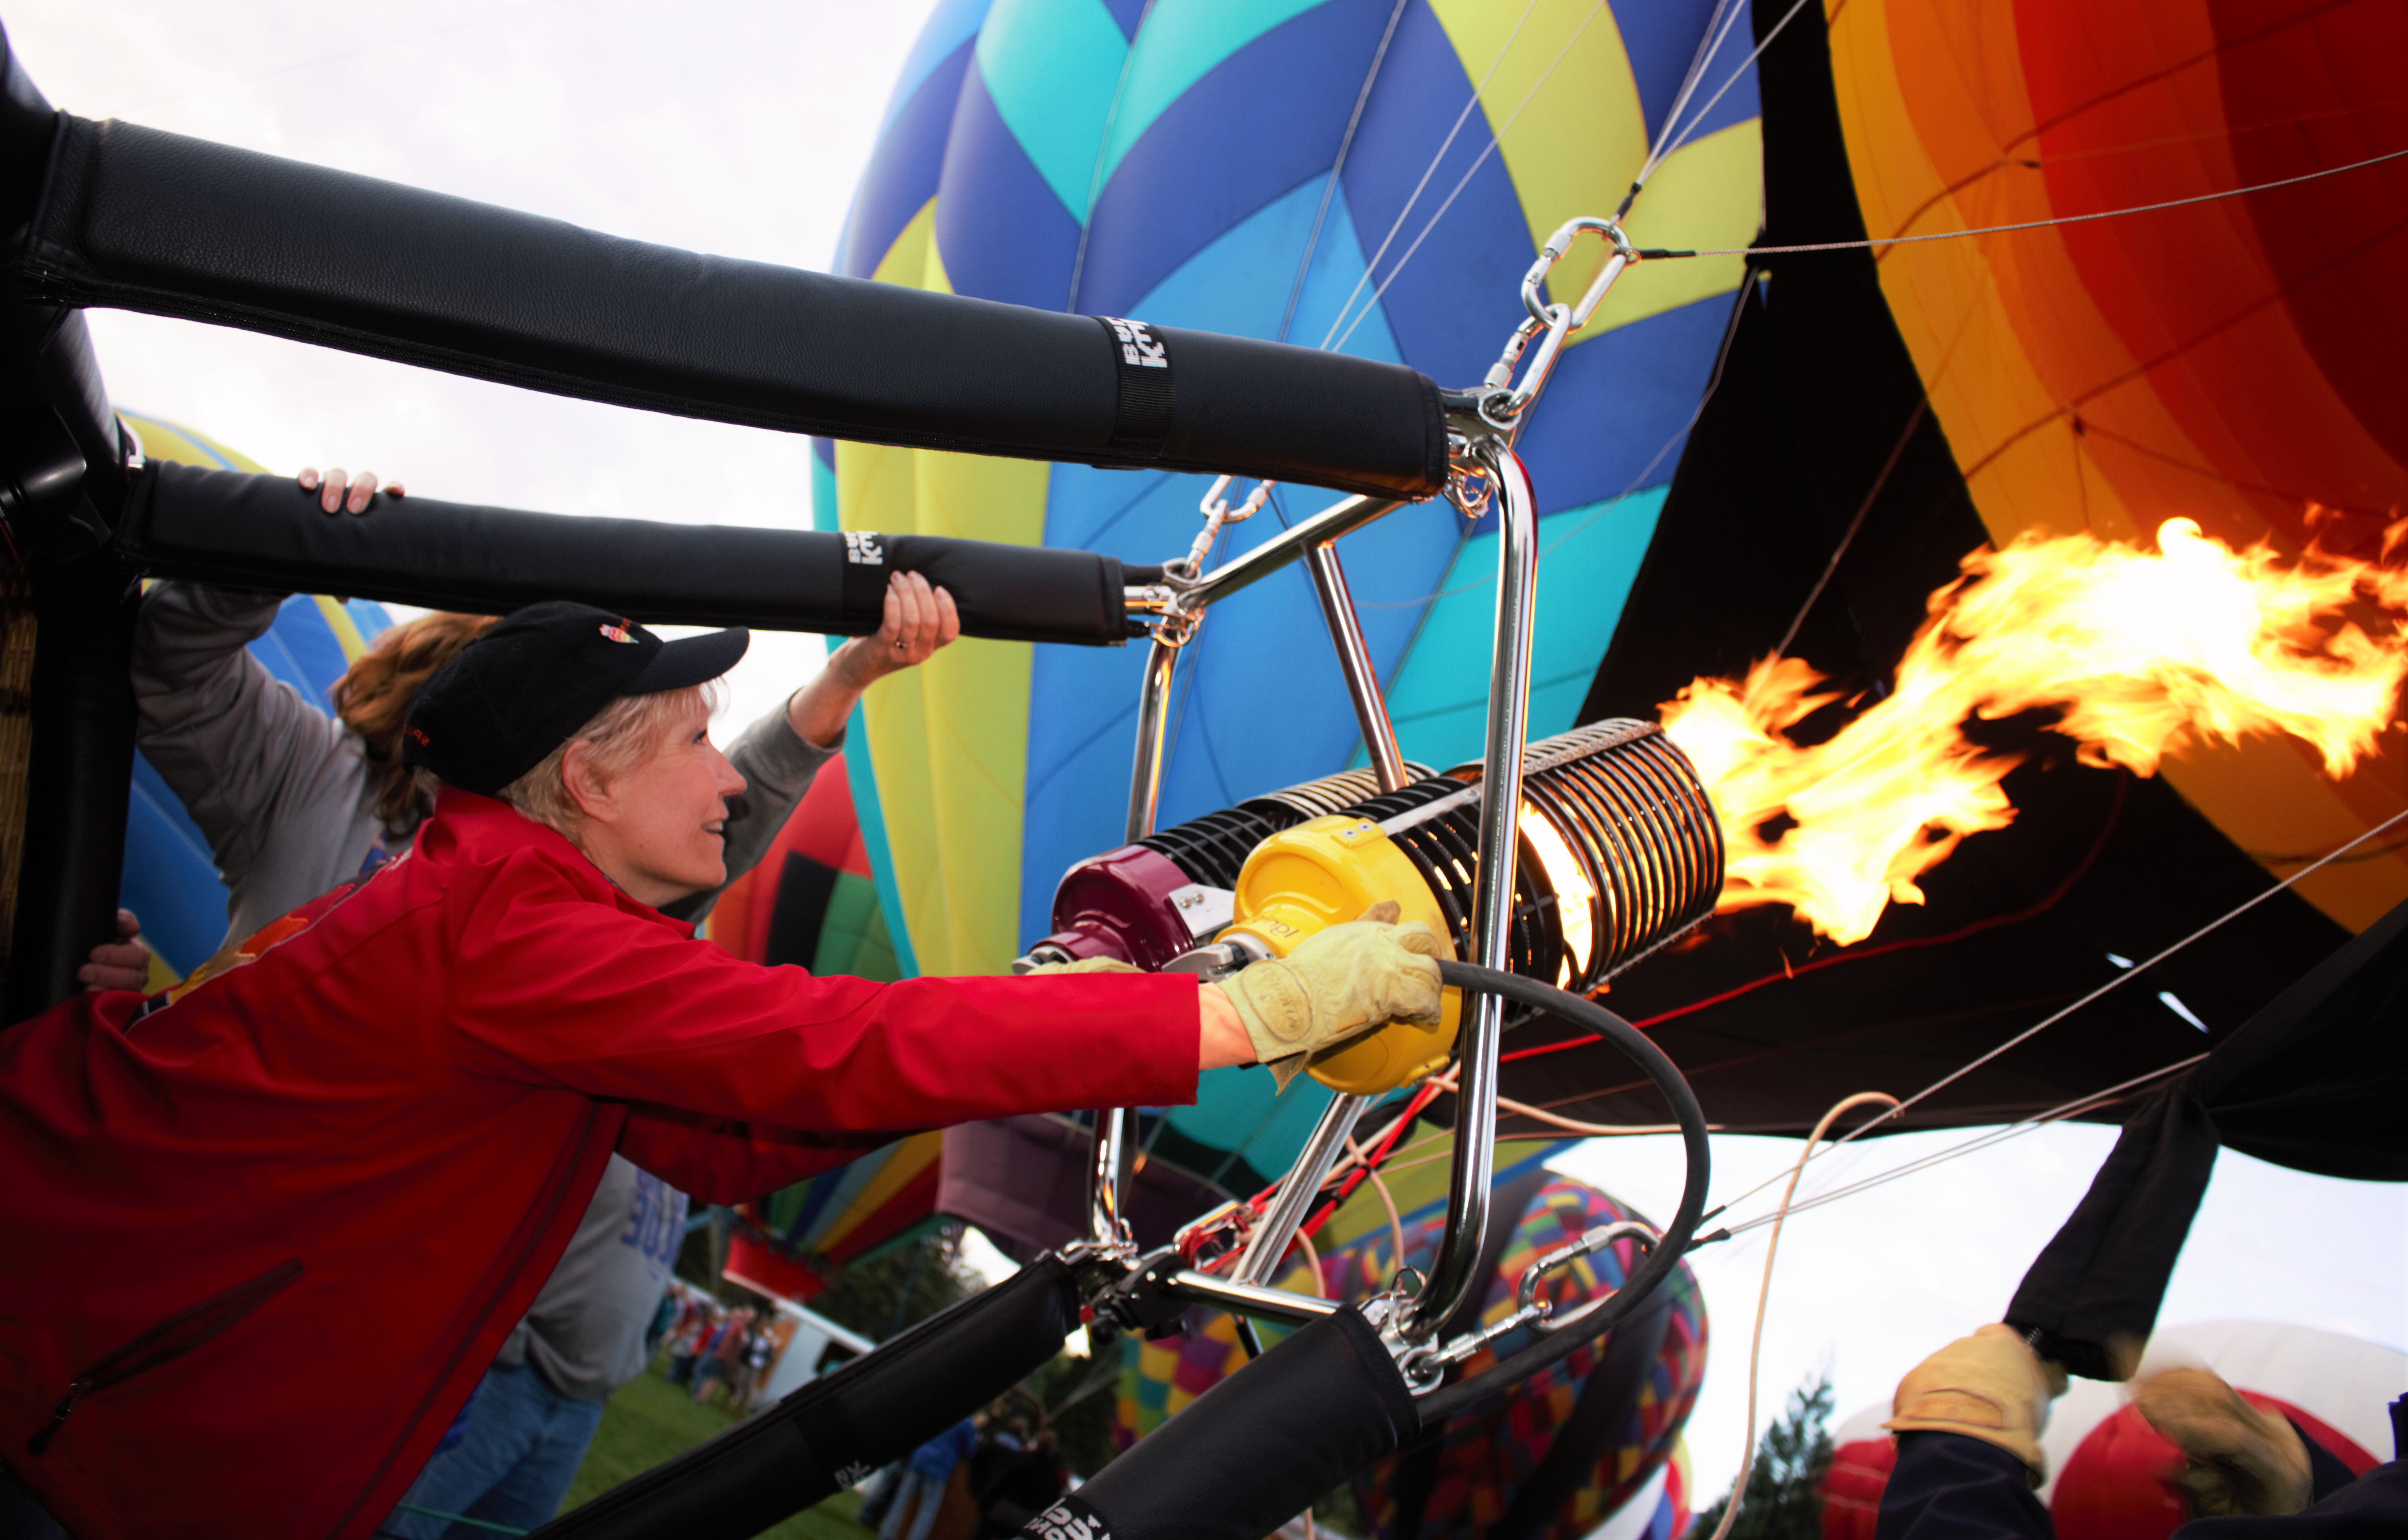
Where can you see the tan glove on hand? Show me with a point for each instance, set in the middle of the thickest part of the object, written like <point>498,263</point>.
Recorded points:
<point>2241,1460</point>
<point>1086,964</point>
<point>1989,1386</point>
<point>1337,983</point>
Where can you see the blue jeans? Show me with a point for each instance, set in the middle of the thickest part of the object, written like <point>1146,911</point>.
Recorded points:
<point>924,1495</point>
<point>513,1465</point>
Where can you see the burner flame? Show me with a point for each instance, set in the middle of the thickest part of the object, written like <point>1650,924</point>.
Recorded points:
<point>2141,653</point>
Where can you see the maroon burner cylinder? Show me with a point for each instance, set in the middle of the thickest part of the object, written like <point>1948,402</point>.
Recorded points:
<point>1149,902</point>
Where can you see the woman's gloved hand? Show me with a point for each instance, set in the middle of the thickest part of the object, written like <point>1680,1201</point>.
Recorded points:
<point>1337,983</point>
<point>1989,1386</point>
<point>2240,1460</point>
<point>1089,964</point>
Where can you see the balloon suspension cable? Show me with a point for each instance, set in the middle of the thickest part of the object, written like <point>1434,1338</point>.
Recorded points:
<point>1718,28</point>
<point>1659,253</point>
<point>2087,1102</point>
<point>2111,985</point>
<point>1331,337</point>
<point>1764,1296</point>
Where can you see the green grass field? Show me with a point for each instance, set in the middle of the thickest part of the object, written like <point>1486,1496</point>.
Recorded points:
<point>651,1419</point>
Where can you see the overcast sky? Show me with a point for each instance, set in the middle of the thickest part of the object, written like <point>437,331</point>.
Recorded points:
<point>719,126</point>
<point>741,128</point>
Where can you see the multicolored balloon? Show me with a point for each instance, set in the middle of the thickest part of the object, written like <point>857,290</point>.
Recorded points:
<point>2110,1474</point>
<point>793,1242</point>
<point>2233,361</point>
<point>1486,1456</point>
<point>1371,174</point>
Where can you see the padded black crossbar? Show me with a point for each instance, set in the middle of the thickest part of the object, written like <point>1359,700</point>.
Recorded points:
<point>1253,1451</point>
<point>265,532</point>
<point>840,1428</point>
<point>139,220</point>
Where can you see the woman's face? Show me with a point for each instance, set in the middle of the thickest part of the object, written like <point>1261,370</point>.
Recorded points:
<point>657,829</point>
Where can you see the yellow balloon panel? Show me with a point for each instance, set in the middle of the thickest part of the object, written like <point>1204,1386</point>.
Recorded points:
<point>949,737</point>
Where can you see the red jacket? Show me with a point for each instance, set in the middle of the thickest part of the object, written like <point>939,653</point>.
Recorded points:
<point>259,1244</point>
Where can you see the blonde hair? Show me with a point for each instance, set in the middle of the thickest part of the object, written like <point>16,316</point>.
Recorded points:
<point>375,695</point>
<point>622,736</point>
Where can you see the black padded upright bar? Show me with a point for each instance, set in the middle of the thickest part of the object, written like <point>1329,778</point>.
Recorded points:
<point>265,532</point>
<point>141,220</point>
<point>1254,1450</point>
<point>841,1427</point>
<point>76,780</point>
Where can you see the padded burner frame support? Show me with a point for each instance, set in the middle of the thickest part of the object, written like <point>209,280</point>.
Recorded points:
<point>838,1428</point>
<point>141,220</point>
<point>1254,1450</point>
<point>265,532</point>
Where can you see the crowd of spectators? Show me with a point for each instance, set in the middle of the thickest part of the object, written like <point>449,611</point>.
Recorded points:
<point>713,1348</point>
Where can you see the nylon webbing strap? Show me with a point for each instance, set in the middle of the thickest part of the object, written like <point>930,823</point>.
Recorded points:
<point>1141,418</point>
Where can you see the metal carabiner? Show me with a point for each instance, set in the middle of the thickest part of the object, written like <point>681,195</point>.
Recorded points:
<point>1551,324</point>
<point>1593,1241</point>
<point>1218,514</point>
<point>1557,246</point>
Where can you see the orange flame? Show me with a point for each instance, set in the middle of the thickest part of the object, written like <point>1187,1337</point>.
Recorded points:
<point>2140,652</point>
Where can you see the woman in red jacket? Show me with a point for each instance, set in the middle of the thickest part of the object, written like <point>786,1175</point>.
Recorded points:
<point>264,1233</point>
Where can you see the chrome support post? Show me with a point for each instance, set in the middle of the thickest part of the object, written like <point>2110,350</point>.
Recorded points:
<point>1354,661</point>
<point>1303,1181</point>
<point>1251,567</point>
<point>1152,721</point>
<point>1106,1223</point>
<point>1248,1299</point>
<point>1297,1189</point>
<point>1508,705</point>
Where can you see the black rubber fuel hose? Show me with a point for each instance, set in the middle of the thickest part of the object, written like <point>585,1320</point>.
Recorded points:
<point>1663,1257</point>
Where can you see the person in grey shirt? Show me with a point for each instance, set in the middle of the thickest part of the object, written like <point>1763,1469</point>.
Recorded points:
<point>296,801</point>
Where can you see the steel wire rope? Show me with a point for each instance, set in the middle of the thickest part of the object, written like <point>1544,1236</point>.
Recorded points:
<point>1329,187</point>
<point>1758,52</point>
<point>1655,254</point>
<point>2088,1101</point>
<point>1718,26</point>
<point>1713,383</point>
<point>1465,180</point>
<point>2112,984</point>
<point>1387,1199</point>
<point>1427,172</point>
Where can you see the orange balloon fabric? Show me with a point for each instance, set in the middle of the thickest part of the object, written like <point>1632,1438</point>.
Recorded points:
<point>2235,361</point>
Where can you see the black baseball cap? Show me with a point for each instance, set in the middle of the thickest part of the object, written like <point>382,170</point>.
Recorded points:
<point>524,688</point>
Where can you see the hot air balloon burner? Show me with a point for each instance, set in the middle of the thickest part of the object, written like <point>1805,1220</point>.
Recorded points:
<point>1619,852</point>
<point>1150,901</point>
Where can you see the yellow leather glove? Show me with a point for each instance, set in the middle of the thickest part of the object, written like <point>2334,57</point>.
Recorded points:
<point>1337,983</point>
<point>2240,1460</point>
<point>1989,1386</point>
<point>1085,964</point>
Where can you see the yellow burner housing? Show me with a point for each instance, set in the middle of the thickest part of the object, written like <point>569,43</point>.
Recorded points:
<point>1325,872</point>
